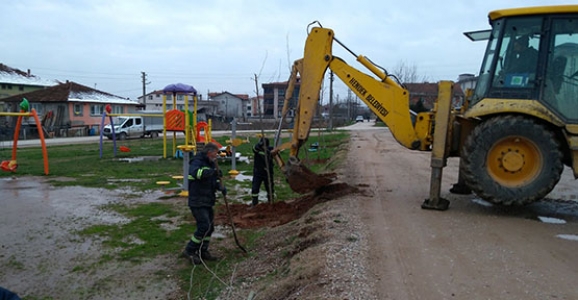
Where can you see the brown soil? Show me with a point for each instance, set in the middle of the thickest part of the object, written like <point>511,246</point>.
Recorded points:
<point>279,213</point>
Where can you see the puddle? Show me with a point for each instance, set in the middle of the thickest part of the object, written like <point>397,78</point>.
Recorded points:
<point>570,237</point>
<point>238,158</point>
<point>482,202</point>
<point>40,247</point>
<point>242,177</point>
<point>551,220</point>
<point>139,159</point>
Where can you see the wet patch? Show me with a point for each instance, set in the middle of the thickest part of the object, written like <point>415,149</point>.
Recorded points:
<point>551,220</point>
<point>570,237</point>
<point>242,177</point>
<point>42,254</point>
<point>482,202</point>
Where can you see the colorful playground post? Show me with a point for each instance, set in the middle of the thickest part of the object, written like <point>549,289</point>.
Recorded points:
<point>24,107</point>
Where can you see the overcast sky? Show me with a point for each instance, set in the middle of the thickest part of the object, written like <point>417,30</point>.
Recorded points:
<point>220,45</point>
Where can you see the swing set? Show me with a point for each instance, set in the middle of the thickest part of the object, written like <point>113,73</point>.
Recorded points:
<point>12,164</point>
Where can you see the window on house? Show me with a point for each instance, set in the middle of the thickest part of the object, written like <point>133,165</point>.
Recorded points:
<point>117,109</point>
<point>96,109</point>
<point>151,97</point>
<point>38,107</point>
<point>78,109</point>
<point>21,88</point>
<point>180,97</point>
<point>158,96</point>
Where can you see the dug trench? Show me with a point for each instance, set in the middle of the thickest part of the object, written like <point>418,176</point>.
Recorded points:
<point>279,213</point>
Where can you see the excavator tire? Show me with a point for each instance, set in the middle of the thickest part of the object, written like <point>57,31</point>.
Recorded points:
<point>511,160</point>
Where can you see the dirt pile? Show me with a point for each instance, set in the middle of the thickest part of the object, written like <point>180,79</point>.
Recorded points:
<point>279,213</point>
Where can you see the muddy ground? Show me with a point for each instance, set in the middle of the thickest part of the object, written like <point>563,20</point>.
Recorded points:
<point>364,237</point>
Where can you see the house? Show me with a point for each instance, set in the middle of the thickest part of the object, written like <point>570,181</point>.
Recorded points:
<point>69,108</point>
<point>14,82</point>
<point>274,98</point>
<point>467,81</point>
<point>255,107</point>
<point>230,105</point>
<point>427,93</point>
<point>154,100</point>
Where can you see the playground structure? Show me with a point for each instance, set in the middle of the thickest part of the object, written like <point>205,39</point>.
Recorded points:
<point>173,120</point>
<point>12,165</point>
<point>176,121</point>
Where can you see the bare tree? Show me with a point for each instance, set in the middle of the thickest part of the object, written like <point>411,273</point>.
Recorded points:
<point>407,73</point>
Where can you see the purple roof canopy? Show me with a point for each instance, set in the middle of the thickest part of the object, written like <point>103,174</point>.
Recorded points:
<point>179,88</point>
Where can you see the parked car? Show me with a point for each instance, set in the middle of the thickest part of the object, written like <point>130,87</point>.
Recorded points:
<point>134,127</point>
<point>359,119</point>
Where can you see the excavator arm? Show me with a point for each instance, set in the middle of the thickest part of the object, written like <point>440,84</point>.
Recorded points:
<point>384,96</point>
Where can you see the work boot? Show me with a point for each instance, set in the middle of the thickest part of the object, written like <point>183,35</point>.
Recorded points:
<point>191,252</point>
<point>255,201</point>
<point>193,258</point>
<point>206,255</point>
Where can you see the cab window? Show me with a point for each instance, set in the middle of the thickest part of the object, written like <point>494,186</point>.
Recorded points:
<point>561,80</point>
<point>518,55</point>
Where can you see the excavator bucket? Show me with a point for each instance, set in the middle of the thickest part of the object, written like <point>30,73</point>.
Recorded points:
<point>302,180</point>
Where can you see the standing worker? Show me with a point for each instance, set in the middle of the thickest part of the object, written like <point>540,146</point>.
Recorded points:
<point>204,182</point>
<point>262,170</point>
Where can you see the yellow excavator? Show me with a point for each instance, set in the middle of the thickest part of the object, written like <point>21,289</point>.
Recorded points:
<point>514,132</point>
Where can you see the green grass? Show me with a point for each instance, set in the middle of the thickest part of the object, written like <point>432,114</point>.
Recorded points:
<point>144,236</point>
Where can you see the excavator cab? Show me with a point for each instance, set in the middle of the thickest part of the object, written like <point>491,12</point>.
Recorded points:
<point>532,57</point>
<point>527,88</point>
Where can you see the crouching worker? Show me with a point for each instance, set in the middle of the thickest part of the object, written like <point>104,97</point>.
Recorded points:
<point>204,182</point>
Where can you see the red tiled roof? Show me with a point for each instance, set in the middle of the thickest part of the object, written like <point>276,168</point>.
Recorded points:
<point>429,89</point>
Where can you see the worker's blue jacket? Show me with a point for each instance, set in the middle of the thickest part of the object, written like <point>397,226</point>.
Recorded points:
<point>203,181</point>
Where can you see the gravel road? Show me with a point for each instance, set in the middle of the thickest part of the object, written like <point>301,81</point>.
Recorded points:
<point>473,250</point>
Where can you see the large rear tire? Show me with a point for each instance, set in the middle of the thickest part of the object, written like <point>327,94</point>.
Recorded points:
<point>511,160</point>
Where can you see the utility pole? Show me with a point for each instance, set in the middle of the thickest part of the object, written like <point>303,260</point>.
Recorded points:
<point>331,100</point>
<point>144,89</point>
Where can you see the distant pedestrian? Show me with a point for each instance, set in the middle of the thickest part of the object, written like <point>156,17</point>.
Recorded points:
<point>204,182</point>
<point>262,171</point>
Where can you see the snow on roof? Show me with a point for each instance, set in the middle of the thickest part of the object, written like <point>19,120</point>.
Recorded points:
<point>15,78</point>
<point>98,97</point>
